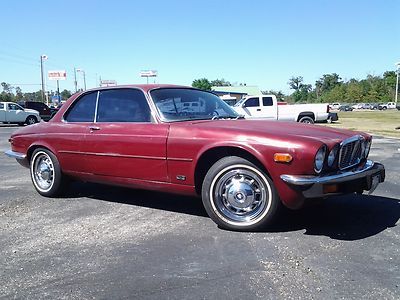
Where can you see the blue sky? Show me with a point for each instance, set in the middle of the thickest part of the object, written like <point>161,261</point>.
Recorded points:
<point>260,43</point>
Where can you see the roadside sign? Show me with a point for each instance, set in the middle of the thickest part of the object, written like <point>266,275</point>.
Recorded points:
<point>148,73</point>
<point>105,83</point>
<point>57,75</point>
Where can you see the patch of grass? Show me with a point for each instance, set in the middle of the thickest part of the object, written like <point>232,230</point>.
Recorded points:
<point>374,122</point>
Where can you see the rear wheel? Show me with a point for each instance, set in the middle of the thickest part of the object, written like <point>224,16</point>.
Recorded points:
<point>31,120</point>
<point>46,174</point>
<point>239,196</point>
<point>306,120</point>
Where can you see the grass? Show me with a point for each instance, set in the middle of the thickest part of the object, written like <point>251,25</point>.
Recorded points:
<point>375,122</point>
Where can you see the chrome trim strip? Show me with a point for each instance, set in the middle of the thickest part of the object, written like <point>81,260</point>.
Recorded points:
<point>113,155</point>
<point>16,155</point>
<point>301,180</point>
<point>180,159</point>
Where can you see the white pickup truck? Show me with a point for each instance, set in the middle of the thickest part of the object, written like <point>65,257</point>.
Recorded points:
<point>389,105</point>
<point>11,112</point>
<point>267,107</point>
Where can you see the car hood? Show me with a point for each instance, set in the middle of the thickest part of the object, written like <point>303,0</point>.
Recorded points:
<point>32,111</point>
<point>291,131</point>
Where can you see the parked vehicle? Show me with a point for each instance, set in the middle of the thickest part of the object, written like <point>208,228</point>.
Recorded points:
<point>389,105</point>
<point>375,106</point>
<point>266,107</point>
<point>45,112</point>
<point>358,106</point>
<point>345,108</point>
<point>12,113</point>
<point>141,137</point>
<point>367,106</point>
<point>334,106</point>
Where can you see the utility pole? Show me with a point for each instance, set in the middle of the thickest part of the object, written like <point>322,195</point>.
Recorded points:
<point>397,81</point>
<point>75,82</point>
<point>42,58</point>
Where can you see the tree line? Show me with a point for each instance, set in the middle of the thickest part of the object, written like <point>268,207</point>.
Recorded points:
<point>328,88</point>
<point>15,94</point>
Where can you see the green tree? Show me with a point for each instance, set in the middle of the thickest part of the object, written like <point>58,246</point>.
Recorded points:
<point>65,94</point>
<point>220,82</point>
<point>295,82</point>
<point>327,82</point>
<point>203,84</point>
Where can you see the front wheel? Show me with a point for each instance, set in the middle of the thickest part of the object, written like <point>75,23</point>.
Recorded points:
<point>239,196</point>
<point>46,173</point>
<point>31,120</point>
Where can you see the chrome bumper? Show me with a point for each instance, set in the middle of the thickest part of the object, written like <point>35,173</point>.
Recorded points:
<point>16,155</point>
<point>20,157</point>
<point>354,180</point>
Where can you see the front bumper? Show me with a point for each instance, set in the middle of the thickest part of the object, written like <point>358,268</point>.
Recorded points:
<point>20,157</point>
<point>364,177</point>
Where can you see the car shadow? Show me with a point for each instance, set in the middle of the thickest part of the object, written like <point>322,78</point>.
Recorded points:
<point>349,217</point>
<point>156,200</point>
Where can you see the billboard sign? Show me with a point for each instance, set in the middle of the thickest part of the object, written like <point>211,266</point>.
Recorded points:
<point>57,75</point>
<point>105,83</point>
<point>148,73</point>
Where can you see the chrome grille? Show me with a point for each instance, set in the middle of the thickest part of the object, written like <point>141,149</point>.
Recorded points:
<point>351,152</point>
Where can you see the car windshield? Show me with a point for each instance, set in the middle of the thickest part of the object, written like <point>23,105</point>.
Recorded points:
<point>183,104</point>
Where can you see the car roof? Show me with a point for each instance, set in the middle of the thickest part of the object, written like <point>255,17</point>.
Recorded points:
<point>144,87</point>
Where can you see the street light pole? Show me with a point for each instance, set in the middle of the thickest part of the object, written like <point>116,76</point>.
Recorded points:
<point>43,57</point>
<point>84,80</point>
<point>75,82</point>
<point>397,81</point>
<point>84,77</point>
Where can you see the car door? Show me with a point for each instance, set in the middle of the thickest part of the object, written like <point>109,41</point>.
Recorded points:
<point>15,113</point>
<point>2,112</point>
<point>123,141</point>
<point>269,110</point>
<point>252,107</point>
<point>69,133</point>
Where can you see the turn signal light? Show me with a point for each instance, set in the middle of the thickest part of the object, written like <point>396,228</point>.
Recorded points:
<point>330,188</point>
<point>283,157</point>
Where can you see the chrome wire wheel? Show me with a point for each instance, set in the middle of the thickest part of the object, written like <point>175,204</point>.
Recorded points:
<point>42,171</point>
<point>240,195</point>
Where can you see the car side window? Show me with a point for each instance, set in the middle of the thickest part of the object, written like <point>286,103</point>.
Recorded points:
<point>267,101</point>
<point>12,106</point>
<point>122,105</point>
<point>83,109</point>
<point>1,106</point>
<point>252,102</point>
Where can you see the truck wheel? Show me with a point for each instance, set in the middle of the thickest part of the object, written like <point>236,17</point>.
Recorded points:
<point>306,120</point>
<point>46,173</point>
<point>239,196</point>
<point>31,120</point>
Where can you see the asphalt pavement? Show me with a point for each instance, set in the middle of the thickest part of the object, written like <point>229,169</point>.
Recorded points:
<point>102,242</point>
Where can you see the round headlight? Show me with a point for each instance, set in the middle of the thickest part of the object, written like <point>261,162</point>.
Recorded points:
<point>319,159</point>
<point>332,156</point>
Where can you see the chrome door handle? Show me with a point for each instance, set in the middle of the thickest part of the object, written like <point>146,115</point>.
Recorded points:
<point>93,128</point>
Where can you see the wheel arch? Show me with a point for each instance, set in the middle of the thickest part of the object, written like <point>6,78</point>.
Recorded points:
<point>212,155</point>
<point>306,114</point>
<point>35,146</point>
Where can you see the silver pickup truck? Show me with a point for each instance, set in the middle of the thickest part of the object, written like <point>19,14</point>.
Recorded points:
<point>13,113</point>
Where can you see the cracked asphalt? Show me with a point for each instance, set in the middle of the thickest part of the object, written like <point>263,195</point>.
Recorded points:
<point>102,242</point>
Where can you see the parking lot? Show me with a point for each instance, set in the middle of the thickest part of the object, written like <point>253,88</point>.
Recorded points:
<point>110,243</point>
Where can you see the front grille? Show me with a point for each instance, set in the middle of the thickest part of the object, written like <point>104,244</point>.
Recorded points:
<point>351,152</point>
